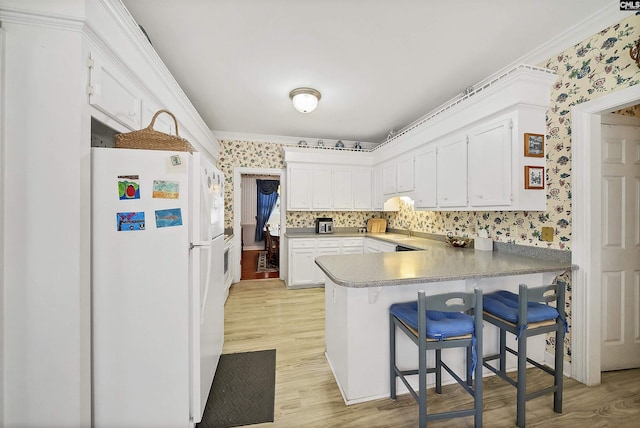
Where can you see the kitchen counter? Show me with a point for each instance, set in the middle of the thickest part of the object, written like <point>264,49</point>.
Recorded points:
<point>359,288</point>
<point>437,261</point>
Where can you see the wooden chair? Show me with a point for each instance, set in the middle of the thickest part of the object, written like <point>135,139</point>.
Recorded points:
<point>272,247</point>
<point>437,323</point>
<point>524,315</point>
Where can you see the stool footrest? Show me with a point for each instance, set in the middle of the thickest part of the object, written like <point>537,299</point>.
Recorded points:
<point>458,379</point>
<point>449,415</point>
<point>502,374</point>
<point>541,392</point>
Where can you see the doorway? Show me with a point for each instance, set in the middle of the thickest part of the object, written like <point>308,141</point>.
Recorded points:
<point>260,226</point>
<point>587,217</point>
<point>246,250</point>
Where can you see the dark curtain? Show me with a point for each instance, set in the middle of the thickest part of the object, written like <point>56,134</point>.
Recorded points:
<point>267,198</point>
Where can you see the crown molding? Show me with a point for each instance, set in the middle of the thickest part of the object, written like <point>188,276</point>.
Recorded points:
<point>605,17</point>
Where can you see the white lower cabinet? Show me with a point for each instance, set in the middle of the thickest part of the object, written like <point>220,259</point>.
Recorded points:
<point>302,267</point>
<point>303,271</point>
<point>372,245</point>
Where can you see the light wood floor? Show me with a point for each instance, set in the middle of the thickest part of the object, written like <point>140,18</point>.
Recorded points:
<point>262,314</point>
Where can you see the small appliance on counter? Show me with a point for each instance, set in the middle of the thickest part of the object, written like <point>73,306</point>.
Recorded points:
<point>324,225</point>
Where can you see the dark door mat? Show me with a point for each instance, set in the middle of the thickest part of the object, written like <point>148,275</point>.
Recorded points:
<point>243,390</point>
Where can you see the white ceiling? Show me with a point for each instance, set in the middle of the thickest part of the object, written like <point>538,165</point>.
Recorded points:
<point>379,64</point>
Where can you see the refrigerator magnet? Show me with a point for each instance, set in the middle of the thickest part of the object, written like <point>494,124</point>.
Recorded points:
<point>128,187</point>
<point>176,164</point>
<point>130,221</point>
<point>168,218</point>
<point>166,189</point>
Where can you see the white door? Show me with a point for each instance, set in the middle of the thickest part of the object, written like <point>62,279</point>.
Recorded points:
<point>620,247</point>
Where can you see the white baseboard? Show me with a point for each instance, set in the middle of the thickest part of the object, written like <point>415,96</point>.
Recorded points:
<point>550,360</point>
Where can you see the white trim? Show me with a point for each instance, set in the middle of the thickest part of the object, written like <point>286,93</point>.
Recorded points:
<point>586,241</point>
<point>605,17</point>
<point>3,216</point>
<point>237,210</point>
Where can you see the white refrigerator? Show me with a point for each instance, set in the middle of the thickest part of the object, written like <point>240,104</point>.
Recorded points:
<point>157,286</point>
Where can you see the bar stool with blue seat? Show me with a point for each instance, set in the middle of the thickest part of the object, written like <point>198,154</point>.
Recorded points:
<point>435,323</point>
<point>525,315</point>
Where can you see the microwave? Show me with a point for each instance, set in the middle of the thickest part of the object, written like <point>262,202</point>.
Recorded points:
<point>324,225</point>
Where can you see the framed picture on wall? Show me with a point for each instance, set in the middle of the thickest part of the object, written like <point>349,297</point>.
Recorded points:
<point>534,145</point>
<point>534,177</point>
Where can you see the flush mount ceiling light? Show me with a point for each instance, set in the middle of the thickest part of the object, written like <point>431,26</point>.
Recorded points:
<point>305,100</point>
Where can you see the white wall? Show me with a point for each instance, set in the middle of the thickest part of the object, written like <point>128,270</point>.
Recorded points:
<point>46,227</point>
<point>2,226</point>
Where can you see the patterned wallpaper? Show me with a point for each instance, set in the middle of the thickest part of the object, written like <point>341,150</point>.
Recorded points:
<point>599,65</point>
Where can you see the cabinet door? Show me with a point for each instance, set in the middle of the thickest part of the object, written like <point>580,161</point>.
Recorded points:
<point>342,185</point>
<point>426,179</point>
<point>405,175</point>
<point>452,172</point>
<point>113,93</point>
<point>389,179</point>
<point>378,200</point>
<point>362,189</point>
<point>302,267</point>
<point>299,187</point>
<point>319,275</point>
<point>321,188</point>
<point>490,165</point>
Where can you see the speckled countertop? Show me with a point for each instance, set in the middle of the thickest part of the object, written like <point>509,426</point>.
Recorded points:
<point>435,263</point>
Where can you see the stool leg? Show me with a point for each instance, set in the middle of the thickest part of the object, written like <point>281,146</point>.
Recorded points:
<point>469,364</point>
<point>503,351</point>
<point>559,365</point>
<point>439,371</point>
<point>521,399</point>
<point>392,358</point>
<point>422,383</point>
<point>477,389</point>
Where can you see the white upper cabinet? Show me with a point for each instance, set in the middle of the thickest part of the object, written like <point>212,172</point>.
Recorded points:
<point>490,165</point>
<point>342,189</point>
<point>112,93</point>
<point>389,179</point>
<point>398,176</point>
<point>299,187</point>
<point>326,187</point>
<point>405,180</point>
<point>321,187</point>
<point>452,172</point>
<point>378,199</point>
<point>425,195</point>
<point>362,186</point>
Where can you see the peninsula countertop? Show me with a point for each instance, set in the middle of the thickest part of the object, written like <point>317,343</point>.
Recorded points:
<point>436,262</point>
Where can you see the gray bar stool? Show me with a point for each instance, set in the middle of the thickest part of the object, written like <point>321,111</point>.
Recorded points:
<point>525,315</point>
<point>436,323</point>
